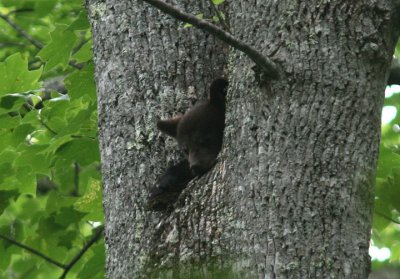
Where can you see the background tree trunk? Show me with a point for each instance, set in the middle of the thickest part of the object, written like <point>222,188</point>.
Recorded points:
<point>292,194</point>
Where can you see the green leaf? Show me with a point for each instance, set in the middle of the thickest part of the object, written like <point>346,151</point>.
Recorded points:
<point>58,51</point>
<point>67,216</point>
<point>15,76</point>
<point>380,222</point>
<point>83,118</point>
<point>67,239</point>
<point>81,150</point>
<point>387,160</point>
<point>199,16</point>
<point>395,252</point>
<point>218,2</point>
<point>26,180</point>
<point>10,103</point>
<point>5,197</point>
<point>81,83</point>
<point>30,154</point>
<point>94,268</point>
<point>7,177</point>
<point>57,201</point>
<point>81,23</point>
<point>393,191</point>
<point>34,157</point>
<point>6,139</point>
<point>91,201</point>
<point>54,115</point>
<point>8,122</point>
<point>29,207</point>
<point>8,156</point>
<point>21,132</point>
<point>5,256</point>
<point>47,227</point>
<point>84,53</point>
<point>44,7</point>
<point>63,175</point>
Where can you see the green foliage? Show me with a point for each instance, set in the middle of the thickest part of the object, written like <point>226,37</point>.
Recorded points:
<point>386,233</point>
<point>218,2</point>
<point>199,16</point>
<point>59,50</point>
<point>16,78</point>
<point>216,18</point>
<point>50,185</point>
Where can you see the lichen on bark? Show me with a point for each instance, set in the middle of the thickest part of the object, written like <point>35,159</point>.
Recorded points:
<point>291,194</point>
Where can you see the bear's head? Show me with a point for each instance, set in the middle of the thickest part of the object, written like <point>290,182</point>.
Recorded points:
<point>199,132</point>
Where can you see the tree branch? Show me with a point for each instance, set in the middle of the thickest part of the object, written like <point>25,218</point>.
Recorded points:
<point>266,64</point>
<point>21,31</point>
<point>33,251</point>
<point>20,11</point>
<point>218,13</point>
<point>93,240</point>
<point>47,126</point>
<point>387,217</point>
<point>33,41</point>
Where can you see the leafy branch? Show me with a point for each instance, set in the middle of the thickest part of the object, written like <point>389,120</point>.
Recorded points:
<point>21,31</point>
<point>33,251</point>
<point>39,88</point>
<point>265,63</point>
<point>387,217</point>
<point>39,45</point>
<point>92,241</point>
<point>218,13</point>
<point>66,267</point>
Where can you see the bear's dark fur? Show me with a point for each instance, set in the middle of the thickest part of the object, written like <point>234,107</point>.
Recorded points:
<point>199,132</point>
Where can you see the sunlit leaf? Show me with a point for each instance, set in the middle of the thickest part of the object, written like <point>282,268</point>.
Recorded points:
<point>94,267</point>
<point>91,202</point>
<point>15,76</point>
<point>81,83</point>
<point>81,23</point>
<point>82,150</point>
<point>387,160</point>
<point>59,50</point>
<point>84,53</point>
<point>218,2</point>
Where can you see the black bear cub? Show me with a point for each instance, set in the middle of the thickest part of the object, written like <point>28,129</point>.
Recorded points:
<point>199,132</point>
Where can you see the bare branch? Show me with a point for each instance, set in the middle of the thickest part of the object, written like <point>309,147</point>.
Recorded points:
<point>47,126</point>
<point>33,251</point>
<point>387,217</point>
<point>21,31</point>
<point>266,64</point>
<point>93,240</point>
<point>33,41</point>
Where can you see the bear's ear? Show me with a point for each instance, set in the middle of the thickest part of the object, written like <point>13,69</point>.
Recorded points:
<point>169,126</point>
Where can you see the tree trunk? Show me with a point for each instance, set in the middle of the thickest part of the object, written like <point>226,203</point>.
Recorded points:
<point>292,193</point>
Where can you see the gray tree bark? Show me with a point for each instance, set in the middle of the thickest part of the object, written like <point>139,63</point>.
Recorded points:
<point>292,193</point>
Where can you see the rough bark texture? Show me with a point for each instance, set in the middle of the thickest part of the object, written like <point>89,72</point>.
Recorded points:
<point>308,146</point>
<point>291,196</point>
<point>148,66</point>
